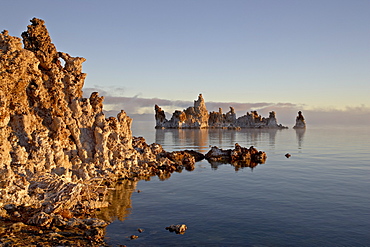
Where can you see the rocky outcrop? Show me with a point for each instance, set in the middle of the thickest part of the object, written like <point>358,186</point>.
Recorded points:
<point>59,153</point>
<point>195,117</point>
<point>300,122</point>
<point>45,125</point>
<point>198,117</point>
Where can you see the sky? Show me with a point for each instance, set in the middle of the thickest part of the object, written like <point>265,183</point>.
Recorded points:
<point>264,55</point>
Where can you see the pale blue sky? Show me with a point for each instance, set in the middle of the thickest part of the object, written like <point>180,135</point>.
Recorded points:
<point>311,53</point>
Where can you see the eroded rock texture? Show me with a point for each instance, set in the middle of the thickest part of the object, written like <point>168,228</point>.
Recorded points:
<point>198,117</point>
<point>300,122</point>
<point>46,126</point>
<point>57,149</point>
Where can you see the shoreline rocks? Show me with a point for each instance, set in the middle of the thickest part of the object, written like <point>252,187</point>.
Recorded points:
<point>197,117</point>
<point>59,154</point>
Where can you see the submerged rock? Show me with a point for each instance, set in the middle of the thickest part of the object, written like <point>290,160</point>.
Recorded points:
<point>198,117</point>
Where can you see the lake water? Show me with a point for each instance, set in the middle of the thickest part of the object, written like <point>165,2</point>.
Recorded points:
<point>320,196</point>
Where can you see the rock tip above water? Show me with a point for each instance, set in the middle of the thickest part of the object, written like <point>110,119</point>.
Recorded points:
<point>300,122</point>
<point>179,229</point>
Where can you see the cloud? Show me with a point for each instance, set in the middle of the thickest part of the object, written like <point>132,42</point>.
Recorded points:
<point>143,109</point>
<point>115,91</point>
<point>136,104</point>
<point>350,116</point>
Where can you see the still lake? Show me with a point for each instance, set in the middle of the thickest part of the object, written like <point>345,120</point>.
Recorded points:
<point>320,196</point>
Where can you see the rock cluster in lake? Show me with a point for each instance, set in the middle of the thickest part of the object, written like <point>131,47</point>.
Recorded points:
<point>238,154</point>
<point>197,117</point>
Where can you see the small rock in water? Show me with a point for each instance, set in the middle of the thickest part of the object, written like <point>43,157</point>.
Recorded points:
<point>179,229</point>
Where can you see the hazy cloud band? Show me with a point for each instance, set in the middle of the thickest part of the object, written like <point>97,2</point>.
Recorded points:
<point>143,108</point>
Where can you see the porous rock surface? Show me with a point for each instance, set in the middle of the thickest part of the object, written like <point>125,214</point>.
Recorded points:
<point>57,149</point>
<point>197,117</point>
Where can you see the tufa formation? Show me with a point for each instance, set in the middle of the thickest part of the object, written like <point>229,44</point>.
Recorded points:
<point>197,117</point>
<point>300,123</point>
<point>58,151</point>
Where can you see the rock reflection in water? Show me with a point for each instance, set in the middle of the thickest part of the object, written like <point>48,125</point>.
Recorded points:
<point>183,138</point>
<point>299,135</point>
<point>119,200</point>
<point>217,137</point>
<point>237,164</point>
<point>202,139</point>
<point>255,137</point>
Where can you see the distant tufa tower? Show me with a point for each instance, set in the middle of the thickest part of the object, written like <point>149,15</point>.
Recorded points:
<point>300,123</point>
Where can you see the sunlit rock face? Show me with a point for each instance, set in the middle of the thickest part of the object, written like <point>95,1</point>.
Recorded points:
<point>300,122</point>
<point>220,120</point>
<point>197,117</point>
<point>45,122</point>
<point>46,126</point>
<point>57,148</point>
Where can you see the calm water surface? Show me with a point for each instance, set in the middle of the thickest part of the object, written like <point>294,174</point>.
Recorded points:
<point>320,196</point>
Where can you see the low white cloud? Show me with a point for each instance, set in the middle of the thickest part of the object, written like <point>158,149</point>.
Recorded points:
<point>143,109</point>
<point>350,116</point>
